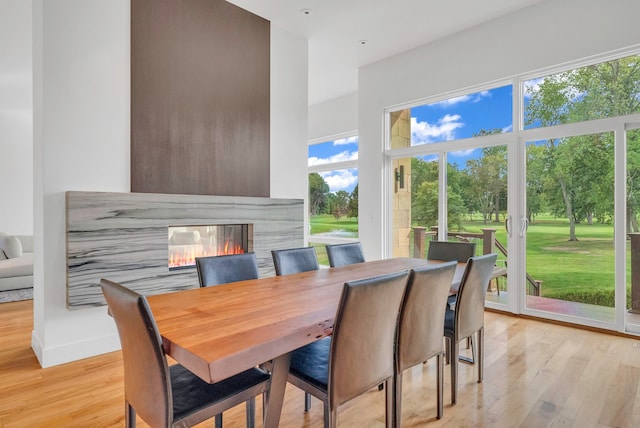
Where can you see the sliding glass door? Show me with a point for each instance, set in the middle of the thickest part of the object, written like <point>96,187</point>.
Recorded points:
<point>570,257</point>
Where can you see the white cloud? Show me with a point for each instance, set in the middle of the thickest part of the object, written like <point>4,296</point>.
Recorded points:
<point>444,129</point>
<point>339,157</point>
<point>532,86</point>
<point>340,180</point>
<point>343,141</point>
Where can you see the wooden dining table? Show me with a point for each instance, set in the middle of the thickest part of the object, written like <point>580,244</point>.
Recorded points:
<point>217,332</point>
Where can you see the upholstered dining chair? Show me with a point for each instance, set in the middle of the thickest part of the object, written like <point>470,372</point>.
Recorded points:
<point>344,254</point>
<point>420,327</point>
<point>295,260</point>
<point>360,353</point>
<point>451,250</point>
<point>163,395</point>
<point>215,270</point>
<point>467,318</point>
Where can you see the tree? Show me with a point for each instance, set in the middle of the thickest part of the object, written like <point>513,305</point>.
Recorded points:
<point>487,180</point>
<point>340,206</point>
<point>353,203</point>
<point>318,190</point>
<point>602,90</point>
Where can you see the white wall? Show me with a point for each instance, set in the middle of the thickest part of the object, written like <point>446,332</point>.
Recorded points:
<point>333,117</point>
<point>546,34</point>
<point>289,77</point>
<point>81,142</point>
<point>16,118</point>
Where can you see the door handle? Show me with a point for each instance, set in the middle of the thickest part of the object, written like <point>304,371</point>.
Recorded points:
<point>524,226</point>
<point>507,225</point>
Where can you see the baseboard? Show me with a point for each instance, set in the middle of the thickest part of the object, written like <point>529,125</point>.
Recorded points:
<point>48,357</point>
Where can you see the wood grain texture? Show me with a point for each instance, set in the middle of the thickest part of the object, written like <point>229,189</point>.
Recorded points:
<point>537,375</point>
<point>200,91</point>
<point>220,331</point>
<point>123,237</point>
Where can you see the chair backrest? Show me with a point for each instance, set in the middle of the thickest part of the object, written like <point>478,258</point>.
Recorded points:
<point>344,254</point>
<point>216,270</point>
<point>448,250</point>
<point>147,383</point>
<point>364,332</point>
<point>422,314</point>
<point>295,260</point>
<point>469,310</point>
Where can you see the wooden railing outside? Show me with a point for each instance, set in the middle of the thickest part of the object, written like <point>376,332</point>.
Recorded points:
<point>489,245</point>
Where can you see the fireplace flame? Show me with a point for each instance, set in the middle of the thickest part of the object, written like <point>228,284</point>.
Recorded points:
<point>186,256</point>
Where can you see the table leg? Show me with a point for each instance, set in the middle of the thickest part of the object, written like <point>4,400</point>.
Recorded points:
<point>275,396</point>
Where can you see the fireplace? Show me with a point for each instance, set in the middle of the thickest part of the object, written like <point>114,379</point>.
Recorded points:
<point>188,242</point>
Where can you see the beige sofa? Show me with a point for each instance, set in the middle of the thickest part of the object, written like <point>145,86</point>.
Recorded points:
<point>16,262</point>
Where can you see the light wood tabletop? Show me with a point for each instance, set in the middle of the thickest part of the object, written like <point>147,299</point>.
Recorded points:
<point>220,331</point>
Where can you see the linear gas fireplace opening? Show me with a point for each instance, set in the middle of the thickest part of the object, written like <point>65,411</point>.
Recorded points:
<point>188,242</point>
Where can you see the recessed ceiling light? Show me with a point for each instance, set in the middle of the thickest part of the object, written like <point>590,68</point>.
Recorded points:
<point>305,11</point>
<point>363,42</point>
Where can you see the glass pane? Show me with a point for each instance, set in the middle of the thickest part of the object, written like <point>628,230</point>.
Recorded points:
<point>333,203</point>
<point>477,206</point>
<point>633,229</point>
<point>570,207</point>
<point>477,114</point>
<point>597,91</point>
<point>343,149</point>
<point>415,207</point>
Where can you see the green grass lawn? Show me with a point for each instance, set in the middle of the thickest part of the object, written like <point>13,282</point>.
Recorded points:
<point>581,270</point>
<point>326,223</point>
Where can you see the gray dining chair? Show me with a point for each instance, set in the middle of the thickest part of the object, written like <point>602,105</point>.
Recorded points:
<point>467,318</point>
<point>450,250</point>
<point>215,270</point>
<point>163,395</point>
<point>344,254</point>
<point>295,260</point>
<point>360,353</point>
<point>420,327</point>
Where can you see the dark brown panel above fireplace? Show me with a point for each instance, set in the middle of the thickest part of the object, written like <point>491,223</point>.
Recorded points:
<point>199,98</point>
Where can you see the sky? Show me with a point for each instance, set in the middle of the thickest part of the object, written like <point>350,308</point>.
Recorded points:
<point>453,119</point>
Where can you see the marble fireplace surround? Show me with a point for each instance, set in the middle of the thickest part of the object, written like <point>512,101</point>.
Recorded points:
<point>123,237</point>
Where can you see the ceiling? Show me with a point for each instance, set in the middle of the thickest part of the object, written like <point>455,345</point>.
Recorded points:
<point>335,29</point>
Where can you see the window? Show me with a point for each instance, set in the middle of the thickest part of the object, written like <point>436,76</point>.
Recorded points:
<point>597,91</point>
<point>333,193</point>
<point>476,114</point>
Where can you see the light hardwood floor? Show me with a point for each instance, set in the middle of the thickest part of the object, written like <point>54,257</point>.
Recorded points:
<point>536,375</point>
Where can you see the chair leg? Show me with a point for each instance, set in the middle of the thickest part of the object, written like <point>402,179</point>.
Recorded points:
<point>397,400</point>
<point>466,359</point>
<point>480,354</point>
<point>454,351</point>
<point>307,401</point>
<point>440,386</point>
<point>218,421</point>
<point>251,412</point>
<point>389,404</point>
<point>447,354</point>
<point>473,349</point>
<point>330,417</point>
<point>129,415</point>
